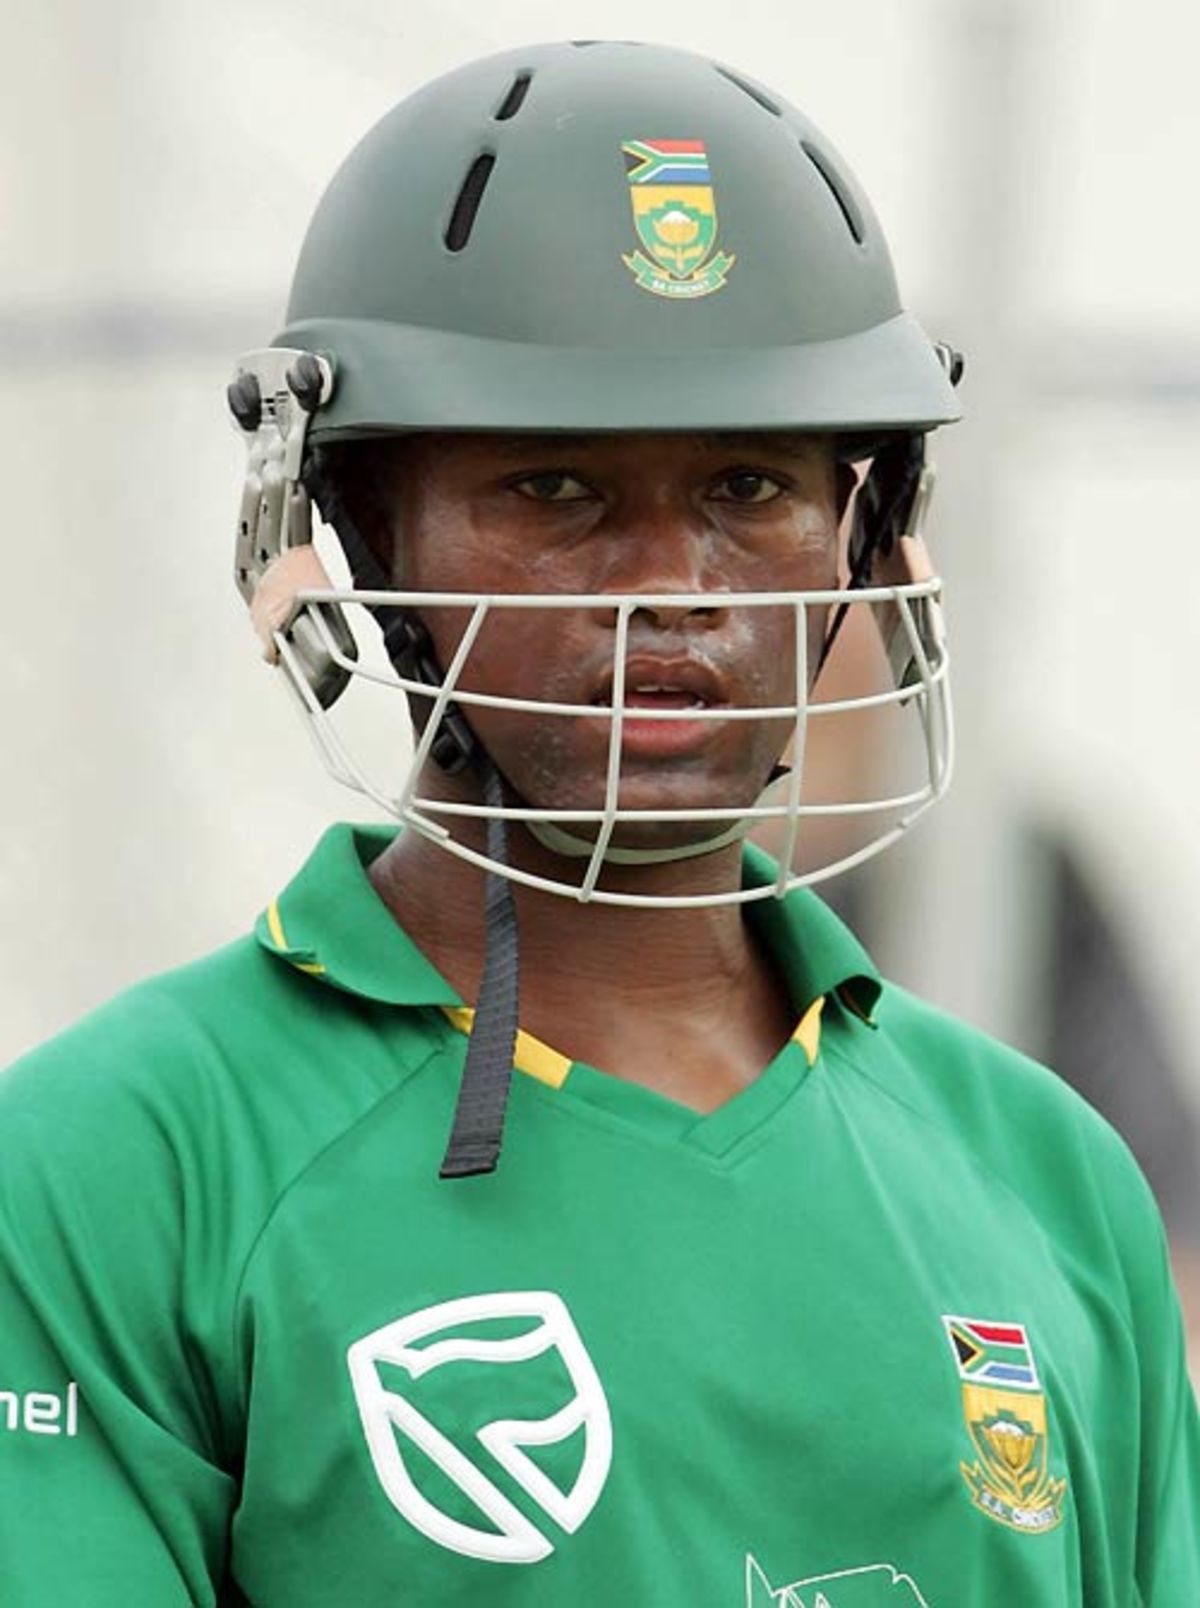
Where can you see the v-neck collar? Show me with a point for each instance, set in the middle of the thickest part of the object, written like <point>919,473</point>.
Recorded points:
<point>716,1132</point>
<point>330,923</point>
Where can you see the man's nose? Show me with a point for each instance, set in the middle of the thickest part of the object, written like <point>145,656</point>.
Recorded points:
<point>661,550</point>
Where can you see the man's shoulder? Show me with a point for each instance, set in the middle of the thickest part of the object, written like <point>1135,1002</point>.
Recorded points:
<point>146,1030</point>
<point>235,1067</point>
<point>112,1079</point>
<point>964,1065</point>
<point>234,1036</point>
<point>1024,1125</point>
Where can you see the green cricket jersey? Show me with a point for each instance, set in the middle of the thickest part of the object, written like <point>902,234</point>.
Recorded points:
<point>892,1327</point>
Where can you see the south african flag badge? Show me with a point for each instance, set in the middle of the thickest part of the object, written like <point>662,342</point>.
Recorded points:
<point>1007,1422</point>
<point>675,214</point>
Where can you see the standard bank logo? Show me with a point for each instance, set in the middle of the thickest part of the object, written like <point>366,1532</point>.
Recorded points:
<point>504,1344</point>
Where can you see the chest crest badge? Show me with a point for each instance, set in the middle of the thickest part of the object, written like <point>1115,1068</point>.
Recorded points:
<point>675,215</point>
<point>1005,1411</point>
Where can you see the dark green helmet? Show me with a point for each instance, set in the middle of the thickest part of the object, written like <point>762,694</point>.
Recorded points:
<point>605,237</point>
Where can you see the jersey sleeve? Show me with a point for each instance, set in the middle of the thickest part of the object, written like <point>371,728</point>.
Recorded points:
<point>1167,1559</point>
<point>1168,1565</point>
<point>112,1489</point>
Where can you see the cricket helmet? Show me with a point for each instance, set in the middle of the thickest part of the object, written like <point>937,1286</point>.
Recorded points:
<point>516,247</point>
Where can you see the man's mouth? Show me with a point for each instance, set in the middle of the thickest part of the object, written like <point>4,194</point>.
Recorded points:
<point>653,697</point>
<point>670,691</point>
<point>666,682</point>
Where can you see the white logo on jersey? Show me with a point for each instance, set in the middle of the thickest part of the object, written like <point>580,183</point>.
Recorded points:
<point>877,1584</point>
<point>389,1420</point>
<point>41,1412</point>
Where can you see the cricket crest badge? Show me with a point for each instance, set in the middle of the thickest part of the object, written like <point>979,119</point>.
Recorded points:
<point>675,214</point>
<point>1007,1422</point>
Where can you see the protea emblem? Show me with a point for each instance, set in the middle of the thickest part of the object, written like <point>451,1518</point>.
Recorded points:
<point>670,188</point>
<point>1005,1410</point>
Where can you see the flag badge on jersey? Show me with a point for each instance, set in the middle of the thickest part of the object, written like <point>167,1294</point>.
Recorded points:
<point>675,214</point>
<point>992,1353</point>
<point>1005,1411</point>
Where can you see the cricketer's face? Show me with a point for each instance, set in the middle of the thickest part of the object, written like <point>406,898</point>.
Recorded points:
<point>641,514</point>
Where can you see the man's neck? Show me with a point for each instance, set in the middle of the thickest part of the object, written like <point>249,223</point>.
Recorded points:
<point>684,1000</point>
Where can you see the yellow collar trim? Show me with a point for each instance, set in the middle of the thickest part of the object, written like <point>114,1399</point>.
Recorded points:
<point>279,939</point>
<point>531,1055</point>
<point>808,1030</point>
<point>551,1067</point>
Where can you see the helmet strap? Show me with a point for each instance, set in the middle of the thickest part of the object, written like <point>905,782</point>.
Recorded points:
<point>478,1128</point>
<point>405,637</point>
<point>883,505</point>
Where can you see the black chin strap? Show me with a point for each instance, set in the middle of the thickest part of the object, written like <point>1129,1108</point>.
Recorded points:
<point>405,638</point>
<point>478,1129</point>
<point>882,505</point>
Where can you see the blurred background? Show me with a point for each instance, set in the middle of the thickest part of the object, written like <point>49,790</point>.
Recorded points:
<point>1033,166</point>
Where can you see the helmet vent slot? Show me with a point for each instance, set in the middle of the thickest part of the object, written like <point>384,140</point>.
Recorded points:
<point>517,91</point>
<point>755,94</point>
<point>837,188</point>
<point>466,205</point>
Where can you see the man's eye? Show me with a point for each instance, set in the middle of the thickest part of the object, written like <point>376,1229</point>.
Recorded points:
<point>748,486</point>
<point>552,485</point>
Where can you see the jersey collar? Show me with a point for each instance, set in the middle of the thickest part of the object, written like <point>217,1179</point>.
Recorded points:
<point>814,950</point>
<point>330,923</point>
